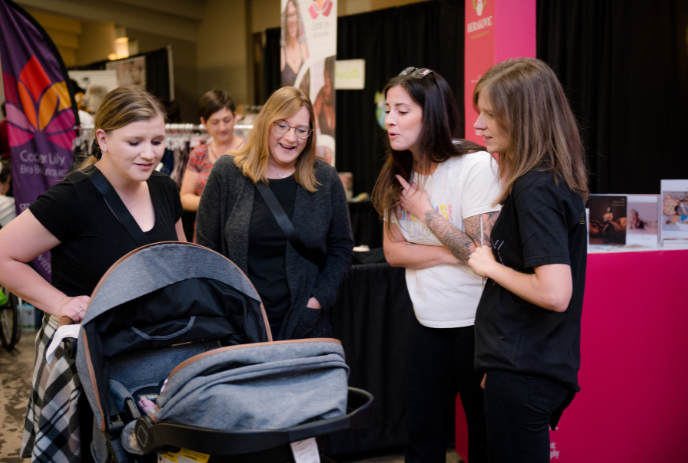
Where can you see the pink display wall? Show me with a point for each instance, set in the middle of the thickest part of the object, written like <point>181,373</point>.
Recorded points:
<point>633,404</point>
<point>494,31</point>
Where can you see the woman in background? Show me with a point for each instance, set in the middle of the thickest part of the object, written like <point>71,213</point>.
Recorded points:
<point>85,238</point>
<point>529,318</point>
<point>7,209</point>
<point>218,115</point>
<point>324,103</point>
<point>436,195</point>
<point>294,51</point>
<point>235,220</point>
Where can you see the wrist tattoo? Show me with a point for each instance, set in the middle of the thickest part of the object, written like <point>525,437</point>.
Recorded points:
<point>458,242</point>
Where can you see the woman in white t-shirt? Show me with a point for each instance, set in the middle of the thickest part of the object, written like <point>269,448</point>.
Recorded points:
<point>456,181</point>
<point>7,211</point>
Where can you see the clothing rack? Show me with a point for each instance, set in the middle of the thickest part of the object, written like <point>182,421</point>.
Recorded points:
<point>180,140</point>
<point>188,127</point>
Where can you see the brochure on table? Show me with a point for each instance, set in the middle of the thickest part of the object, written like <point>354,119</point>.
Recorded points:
<point>622,223</point>
<point>674,214</point>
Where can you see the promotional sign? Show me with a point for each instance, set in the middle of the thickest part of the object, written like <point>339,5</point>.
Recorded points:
<point>307,61</point>
<point>479,55</point>
<point>495,30</point>
<point>349,74</point>
<point>39,110</point>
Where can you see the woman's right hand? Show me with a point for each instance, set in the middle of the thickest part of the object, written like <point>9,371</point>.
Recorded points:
<point>73,307</point>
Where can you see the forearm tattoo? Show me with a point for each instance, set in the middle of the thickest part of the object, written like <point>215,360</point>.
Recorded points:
<point>461,244</point>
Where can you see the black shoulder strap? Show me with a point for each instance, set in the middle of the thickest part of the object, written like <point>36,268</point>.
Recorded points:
<point>284,223</point>
<point>118,208</point>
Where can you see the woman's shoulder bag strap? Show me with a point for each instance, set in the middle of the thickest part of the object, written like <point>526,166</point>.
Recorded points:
<point>118,208</point>
<point>314,256</point>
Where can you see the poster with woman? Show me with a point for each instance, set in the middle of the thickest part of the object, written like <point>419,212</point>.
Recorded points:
<point>307,59</point>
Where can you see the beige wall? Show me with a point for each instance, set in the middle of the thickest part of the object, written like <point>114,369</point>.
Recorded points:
<point>223,49</point>
<point>96,42</point>
<point>211,39</point>
<point>265,14</point>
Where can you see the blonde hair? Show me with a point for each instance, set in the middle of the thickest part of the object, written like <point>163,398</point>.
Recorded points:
<point>119,108</point>
<point>252,158</point>
<point>530,106</point>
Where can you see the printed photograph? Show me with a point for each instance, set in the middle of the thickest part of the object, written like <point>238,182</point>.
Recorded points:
<point>675,210</point>
<point>607,219</point>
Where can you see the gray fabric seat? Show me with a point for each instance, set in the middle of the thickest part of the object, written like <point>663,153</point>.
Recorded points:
<point>258,386</point>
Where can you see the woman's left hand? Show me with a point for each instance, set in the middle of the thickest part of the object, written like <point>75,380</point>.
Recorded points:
<point>481,260</point>
<point>414,199</point>
<point>313,304</point>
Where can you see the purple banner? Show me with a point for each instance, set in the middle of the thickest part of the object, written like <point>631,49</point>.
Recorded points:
<point>39,110</point>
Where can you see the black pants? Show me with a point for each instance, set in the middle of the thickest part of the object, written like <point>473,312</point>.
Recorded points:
<point>518,410</point>
<point>440,365</point>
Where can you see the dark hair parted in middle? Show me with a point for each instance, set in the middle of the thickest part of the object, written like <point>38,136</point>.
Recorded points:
<point>213,101</point>
<point>440,125</point>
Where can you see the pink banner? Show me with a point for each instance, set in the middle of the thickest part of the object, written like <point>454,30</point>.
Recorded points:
<point>495,30</point>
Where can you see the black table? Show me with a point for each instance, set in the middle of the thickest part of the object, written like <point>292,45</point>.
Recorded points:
<point>372,317</point>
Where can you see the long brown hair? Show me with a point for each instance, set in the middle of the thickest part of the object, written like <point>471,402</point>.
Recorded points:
<point>252,158</point>
<point>529,104</point>
<point>440,123</point>
<point>119,108</point>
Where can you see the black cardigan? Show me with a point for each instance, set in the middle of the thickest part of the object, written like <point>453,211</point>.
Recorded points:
<point>321,220</point>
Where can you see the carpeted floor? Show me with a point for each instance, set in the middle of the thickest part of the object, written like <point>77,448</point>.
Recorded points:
<point>15,384</point>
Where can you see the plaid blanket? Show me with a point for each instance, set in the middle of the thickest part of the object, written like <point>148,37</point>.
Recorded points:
<point>51,431</point>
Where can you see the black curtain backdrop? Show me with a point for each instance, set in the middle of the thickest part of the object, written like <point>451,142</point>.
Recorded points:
<point>624,65</point>
<point>426,34</point>
<point>271,62</point>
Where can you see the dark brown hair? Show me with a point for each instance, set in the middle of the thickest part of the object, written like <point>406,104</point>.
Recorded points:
<point>530,106</point>
<point>440,124</point>
<point>214,101</point>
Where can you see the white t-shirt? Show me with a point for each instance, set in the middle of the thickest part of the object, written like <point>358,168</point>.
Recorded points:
<point>7,212</point>
<point>447,296</point>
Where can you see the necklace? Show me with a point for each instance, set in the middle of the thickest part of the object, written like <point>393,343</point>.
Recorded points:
<point>211,153</point>
<point>136,200</point>
<point>278,174</point>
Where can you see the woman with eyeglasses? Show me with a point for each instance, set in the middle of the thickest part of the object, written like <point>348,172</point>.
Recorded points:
<point>435,191</point>
<point>528,326</point>
<point>253,196</point>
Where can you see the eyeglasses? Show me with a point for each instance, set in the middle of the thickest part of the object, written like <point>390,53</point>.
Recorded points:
<point>415,72</point>
<point>301,131</point>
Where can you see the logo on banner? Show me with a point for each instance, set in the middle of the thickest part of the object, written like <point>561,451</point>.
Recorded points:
<point>320,6</point>
<point>479,7</point>
<point>43,106</point>
<point>553,452</point>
